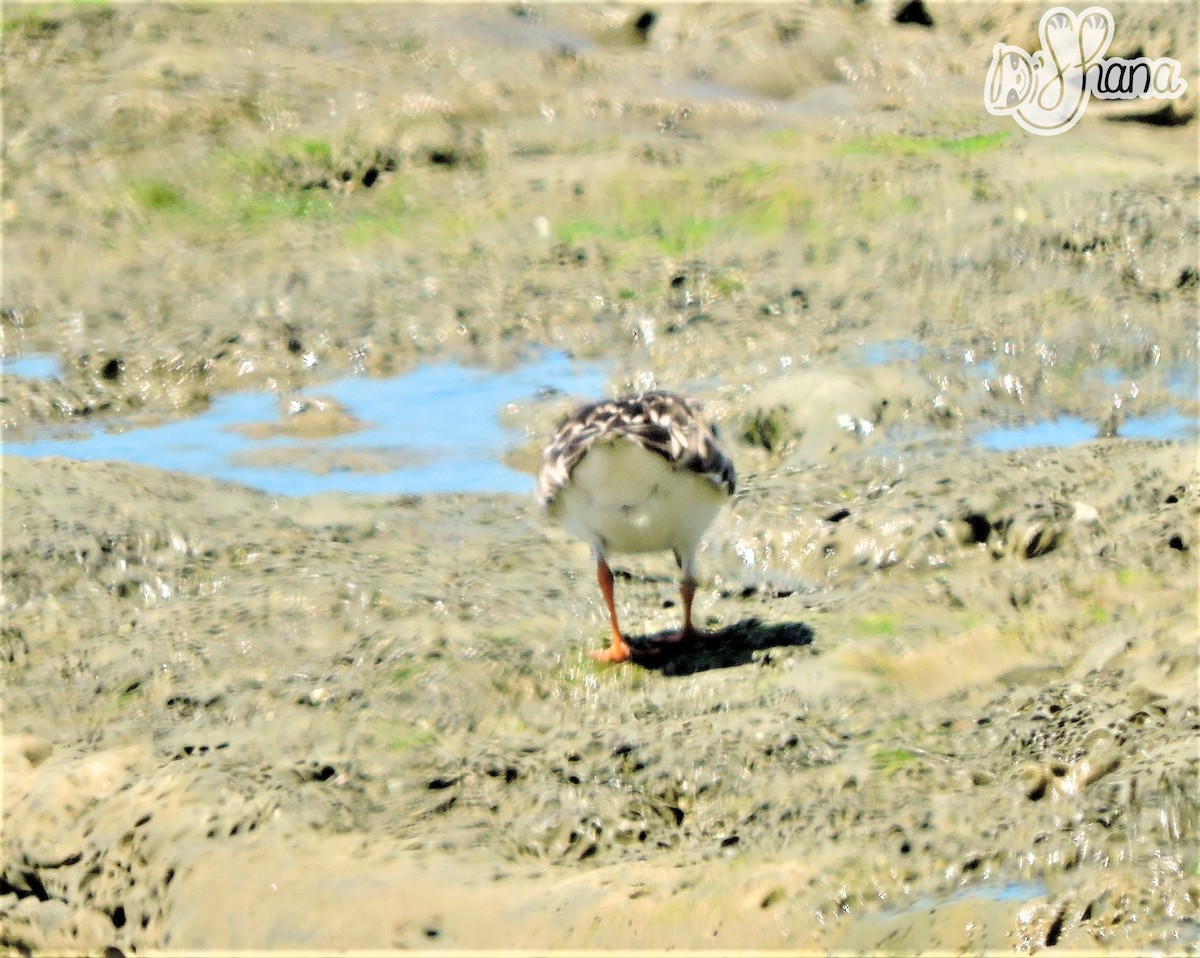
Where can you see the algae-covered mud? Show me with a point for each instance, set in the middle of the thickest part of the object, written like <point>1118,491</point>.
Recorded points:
<point>948,699</point>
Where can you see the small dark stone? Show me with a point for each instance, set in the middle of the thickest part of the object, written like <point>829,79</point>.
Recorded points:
<point>980,529</point>
<point>1055,931</point>
<point>838,516</point>
<point>295,346</point>
<point>112,369</point>
<point>369,177</point>
<point>914,12</point>
<point>644,24</point>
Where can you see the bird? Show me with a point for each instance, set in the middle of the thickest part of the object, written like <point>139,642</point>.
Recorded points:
<point>639,473</point>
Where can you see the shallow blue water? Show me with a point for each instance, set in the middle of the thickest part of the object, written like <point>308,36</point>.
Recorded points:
<point>34,366</point>
<point>443,417</point>
<point>1070,430</point>
<point>887,351</point>
<point>1180,379</point>
<point>1015,891</point>
<point>1167,425</point>
<point>1064,431</point>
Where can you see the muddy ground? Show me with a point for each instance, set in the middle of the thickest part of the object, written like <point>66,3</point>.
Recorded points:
<point>949,702</point>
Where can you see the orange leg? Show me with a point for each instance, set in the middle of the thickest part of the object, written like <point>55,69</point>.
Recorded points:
<point>687,592</point>
<point>619,650</point>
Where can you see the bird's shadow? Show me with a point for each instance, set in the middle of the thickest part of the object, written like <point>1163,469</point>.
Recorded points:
<point>724,648</point>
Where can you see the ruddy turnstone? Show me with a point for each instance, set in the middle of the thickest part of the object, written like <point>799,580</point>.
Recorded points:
<point>636,474</point>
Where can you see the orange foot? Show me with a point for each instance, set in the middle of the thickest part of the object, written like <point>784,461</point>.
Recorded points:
<point>619,651</point>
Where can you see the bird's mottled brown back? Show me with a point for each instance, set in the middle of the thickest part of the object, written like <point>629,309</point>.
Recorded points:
<point>662,422</point>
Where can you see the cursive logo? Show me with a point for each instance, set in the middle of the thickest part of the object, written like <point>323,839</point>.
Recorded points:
<point>1047,92</point>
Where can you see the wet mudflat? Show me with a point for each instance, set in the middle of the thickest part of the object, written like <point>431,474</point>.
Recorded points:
<point>948,701</point>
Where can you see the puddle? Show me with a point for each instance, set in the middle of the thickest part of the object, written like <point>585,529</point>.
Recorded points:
<point>1071,430</point>
<point>887,351</point>
<point>1064,431</point>
<point>33,366</point>
<point>1184,380</point>
<point>1008,891</point>
<point>1167,425</point>
<point>1179,379</point>
<point>434,429</point>
<point>1013,891</point>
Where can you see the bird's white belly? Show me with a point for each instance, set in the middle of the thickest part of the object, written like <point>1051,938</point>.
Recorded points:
<point>627,499</point>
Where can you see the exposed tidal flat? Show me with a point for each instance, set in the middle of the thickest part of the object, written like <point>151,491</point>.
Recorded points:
<point>949,701</point>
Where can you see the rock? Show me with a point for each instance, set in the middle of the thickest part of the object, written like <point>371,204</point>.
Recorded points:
<point>815,413</point>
